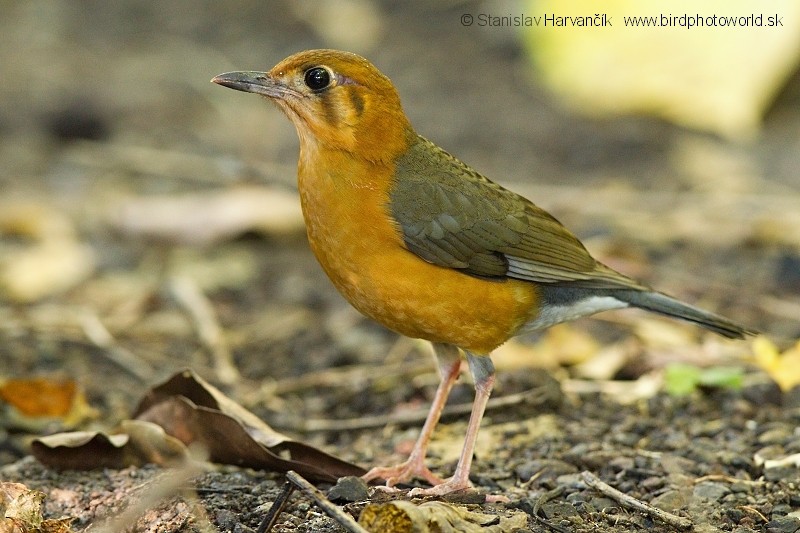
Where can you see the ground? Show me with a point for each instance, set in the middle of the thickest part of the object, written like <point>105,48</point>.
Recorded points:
<point>107,106</point>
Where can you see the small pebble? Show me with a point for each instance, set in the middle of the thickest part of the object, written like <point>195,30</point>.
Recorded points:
<point>559,510</point>
<point>671,500</point>
<point>621,463</point>
<point>777,435</point>
<point>763,393</point>
<point>710,491</point>
<point>349,489</point>
<point>781,509</point>
<point>226,520</point>
<point>784,524</point>
<point>601,503</point>
<point>652,483</point>
<point>780,473</point>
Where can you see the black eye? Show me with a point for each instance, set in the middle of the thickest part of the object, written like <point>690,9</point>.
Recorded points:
<point>317,78</point>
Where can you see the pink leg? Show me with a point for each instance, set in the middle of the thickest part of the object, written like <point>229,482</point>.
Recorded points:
<point>483,372</point>
<point>449,369</point>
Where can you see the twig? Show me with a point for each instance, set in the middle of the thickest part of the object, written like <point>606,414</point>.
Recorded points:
<point>728,479</point>
<point>344,519</point>
<point>276,509</point>
<point>632,503</point>
<point>99,335</point>
<point>754,511</point>
<point>191,298</point>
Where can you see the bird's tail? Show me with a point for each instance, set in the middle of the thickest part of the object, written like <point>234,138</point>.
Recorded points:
<point>666,305</point>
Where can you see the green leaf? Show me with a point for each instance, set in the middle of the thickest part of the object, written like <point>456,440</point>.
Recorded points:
<point>727,377</point>
<point>681,379</point>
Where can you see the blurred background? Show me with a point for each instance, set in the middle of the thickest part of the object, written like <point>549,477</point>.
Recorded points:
<point>148,219</point>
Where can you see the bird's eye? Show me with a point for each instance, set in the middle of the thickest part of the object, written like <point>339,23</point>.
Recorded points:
<point>317,78</point>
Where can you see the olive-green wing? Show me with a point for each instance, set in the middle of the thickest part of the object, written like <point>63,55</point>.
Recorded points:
<point>453,217</point>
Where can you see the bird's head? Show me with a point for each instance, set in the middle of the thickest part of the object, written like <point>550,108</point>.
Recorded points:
<point>336,100</point>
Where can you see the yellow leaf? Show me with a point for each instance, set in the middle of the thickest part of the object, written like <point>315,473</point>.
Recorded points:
<point>561,345</point>
<point>784,367</point>
<point>766,353</point>
<point>719,75</point>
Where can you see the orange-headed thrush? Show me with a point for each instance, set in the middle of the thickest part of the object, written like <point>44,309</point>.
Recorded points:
<point>427,246</point>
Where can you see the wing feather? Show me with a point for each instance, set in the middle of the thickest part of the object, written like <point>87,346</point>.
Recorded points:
<point>454,217</point>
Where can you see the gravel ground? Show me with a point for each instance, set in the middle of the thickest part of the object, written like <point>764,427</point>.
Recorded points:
<point>108,102</point>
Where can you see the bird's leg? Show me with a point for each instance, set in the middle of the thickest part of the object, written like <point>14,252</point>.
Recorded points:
<point>482,371</point>
<point>449,362</point>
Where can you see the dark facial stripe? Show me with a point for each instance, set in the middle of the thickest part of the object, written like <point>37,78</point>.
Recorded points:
<point>356,102</point>
<point>329,109</point>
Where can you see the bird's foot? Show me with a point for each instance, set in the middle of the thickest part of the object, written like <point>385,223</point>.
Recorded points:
<point>452,486</point>
<point>403,472</point>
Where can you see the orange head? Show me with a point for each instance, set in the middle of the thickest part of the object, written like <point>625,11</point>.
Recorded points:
<point>336,100</point>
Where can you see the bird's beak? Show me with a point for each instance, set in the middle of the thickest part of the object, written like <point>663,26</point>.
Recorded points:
<point>255,82</point>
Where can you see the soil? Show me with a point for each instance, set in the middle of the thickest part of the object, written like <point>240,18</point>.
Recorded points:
<point>108,101</point>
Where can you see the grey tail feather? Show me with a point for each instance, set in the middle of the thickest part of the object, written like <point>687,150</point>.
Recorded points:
<point>666,305</point>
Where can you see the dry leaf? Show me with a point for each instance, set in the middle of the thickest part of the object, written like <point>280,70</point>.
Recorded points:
<point>404,516</point>
<point>21,510</point>
<point>560,345</point>
<point>195,412</point>
<point>40,396</point>
<point>137,442</point>
<point>208,217</point>
<point>187,411</point>
<point>783,368</point>
<point>22,507</point>
<point>37,401</point>
<point>694,77</point>
<point>35,221</point>
<point>44,268</point>
<point>49,261</point>
<point>608,361</point>
<point>662,334</point>
<point>624,392</point>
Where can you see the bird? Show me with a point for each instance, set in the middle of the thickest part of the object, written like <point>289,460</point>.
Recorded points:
<point>425,245</point>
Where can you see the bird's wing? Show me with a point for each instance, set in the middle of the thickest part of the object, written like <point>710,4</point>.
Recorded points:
<point>453,217</point>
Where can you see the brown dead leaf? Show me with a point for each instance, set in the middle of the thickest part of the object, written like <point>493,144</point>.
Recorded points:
<point>40,396</point>
<point>187,411</point>
<point>404,516</point>
<point>21,510</point>
<point>195,412</point>
<point>137,442</point>
<point>37,401</point>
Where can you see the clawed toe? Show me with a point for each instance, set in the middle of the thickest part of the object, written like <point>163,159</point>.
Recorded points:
<point>402,473</point>
<point>451,487</point>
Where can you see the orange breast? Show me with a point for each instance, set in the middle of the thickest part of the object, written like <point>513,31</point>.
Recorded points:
<point>361,250</point>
